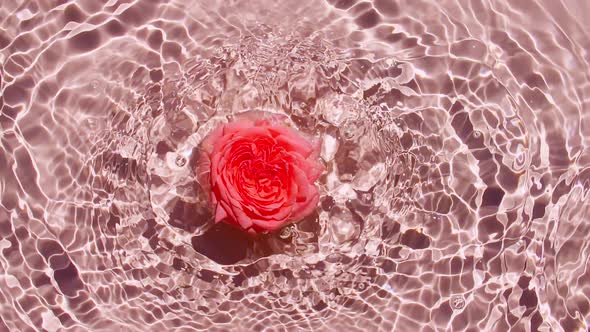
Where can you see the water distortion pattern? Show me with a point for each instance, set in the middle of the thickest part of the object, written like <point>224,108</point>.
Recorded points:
<point>455,138</point>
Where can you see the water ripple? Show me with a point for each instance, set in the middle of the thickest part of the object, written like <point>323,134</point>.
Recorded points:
<point>454,136</point>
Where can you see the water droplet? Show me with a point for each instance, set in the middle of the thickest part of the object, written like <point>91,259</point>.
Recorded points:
<point>457,302</point>
<point>476,134</point>
<point>180,161</point>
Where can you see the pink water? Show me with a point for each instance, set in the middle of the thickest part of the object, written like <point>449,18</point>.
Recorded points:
<point>455,135</point>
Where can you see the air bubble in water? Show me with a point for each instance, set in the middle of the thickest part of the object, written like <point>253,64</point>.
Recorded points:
<point>180,161</point>
<point>457,302</point>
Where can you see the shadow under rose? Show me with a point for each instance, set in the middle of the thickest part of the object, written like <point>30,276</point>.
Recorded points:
<point>189,216</point>
<point>223,244</point>
<point>226,244</point>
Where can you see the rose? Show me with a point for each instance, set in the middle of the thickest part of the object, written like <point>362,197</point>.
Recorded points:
<point>259,173</point>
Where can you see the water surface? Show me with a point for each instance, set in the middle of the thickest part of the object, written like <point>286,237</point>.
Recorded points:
<point>455,135</point>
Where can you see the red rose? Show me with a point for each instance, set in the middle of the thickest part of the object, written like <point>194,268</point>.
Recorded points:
<point>260,173</point>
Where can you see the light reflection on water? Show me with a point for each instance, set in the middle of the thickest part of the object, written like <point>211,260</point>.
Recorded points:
<point>454,136</point>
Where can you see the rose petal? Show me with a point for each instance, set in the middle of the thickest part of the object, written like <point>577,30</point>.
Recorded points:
<point>317,148</point>
<point>204,173</point>
<point>294,145</point>
<point>269,225</point>
<point>220,213</point>
<point>231,217</point>
<point>236,127</point>
<point>241,217</point>
<point>280,213</point>
<point>234,194</point>
<point>313,170</point>
<point>303,209</point>
<point>252,132</point>
<point>302,184</point>
<point>214,137</point>
<point>220,191</point>
<point>215,167</point>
